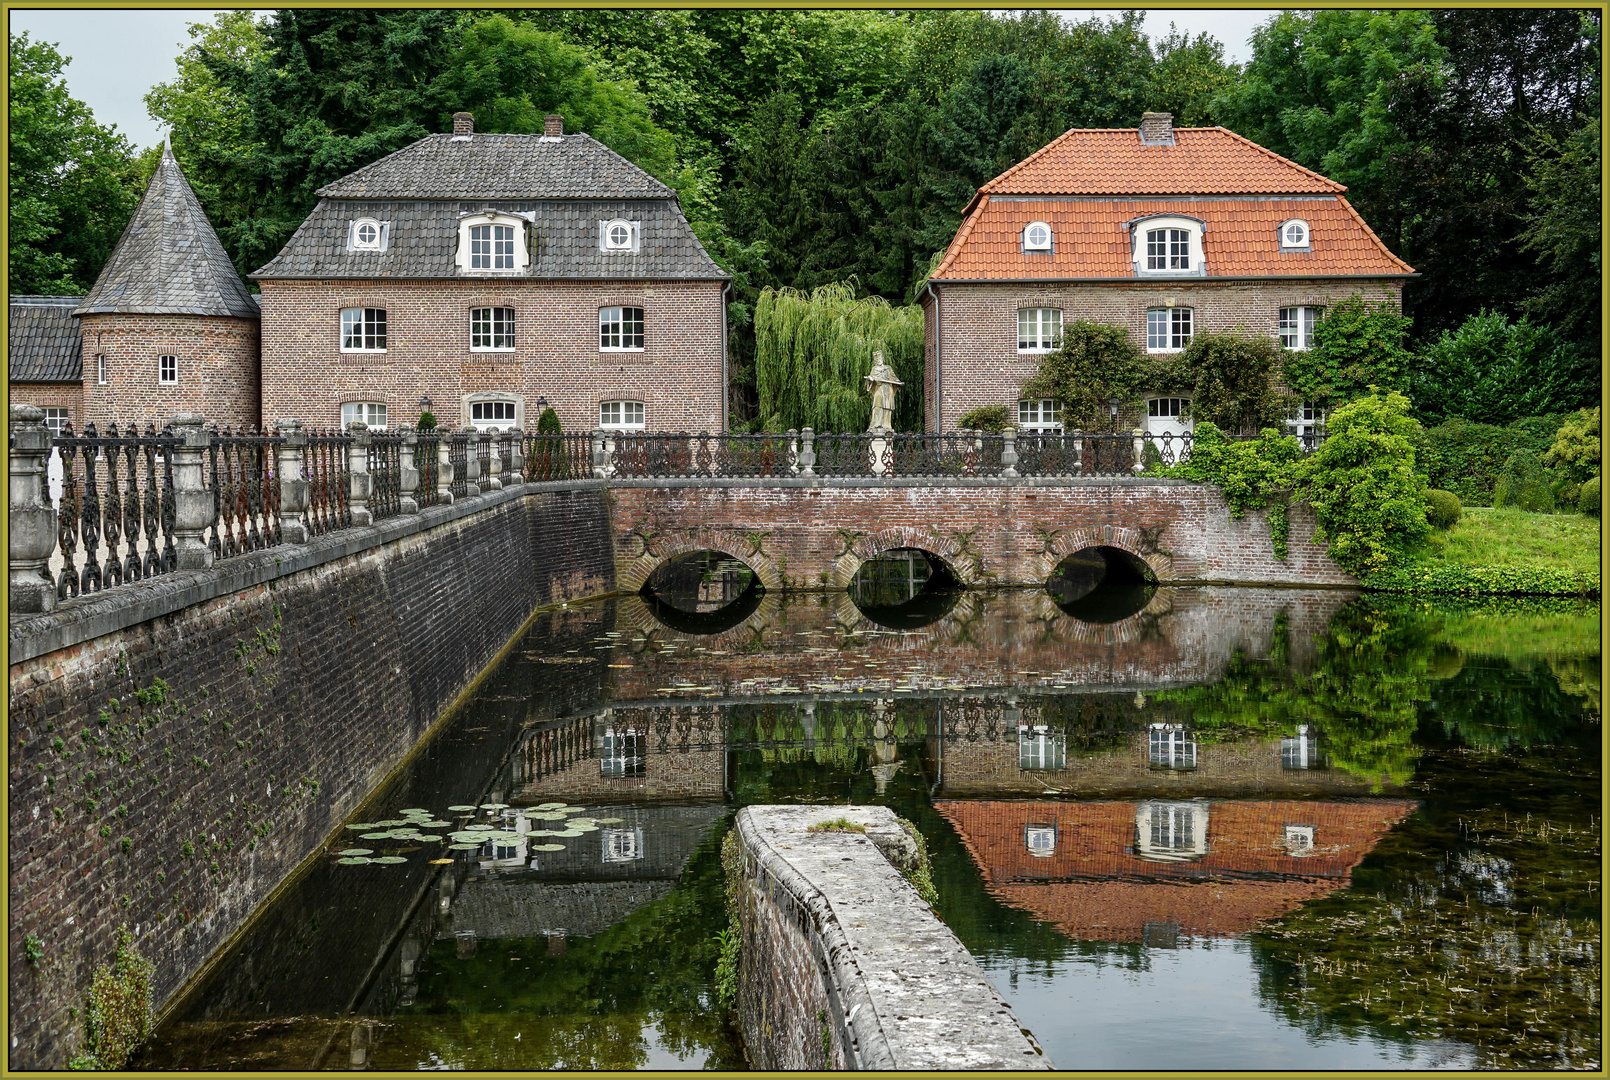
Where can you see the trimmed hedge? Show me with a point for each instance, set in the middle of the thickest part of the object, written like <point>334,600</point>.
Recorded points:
<point>1588,500</point>
<point>1466,458</point>
<point>1444,510</point>
<point>1429,578</point>
<point>1523,484</point>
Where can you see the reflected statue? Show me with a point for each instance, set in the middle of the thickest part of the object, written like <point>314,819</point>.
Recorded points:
<point>881,381</point>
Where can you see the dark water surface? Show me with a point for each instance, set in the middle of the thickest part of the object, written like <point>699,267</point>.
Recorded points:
<point>1179,828</point>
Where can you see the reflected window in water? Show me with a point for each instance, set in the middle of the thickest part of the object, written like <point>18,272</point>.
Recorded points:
<point>623,754</point>
<point>1299,839</point>
<point>1301,751</point>
<point>622,845</point>
<point>1171,832</point>
<point>1172,747</point>
<point>1040,840</point>
<point>1038,748</point>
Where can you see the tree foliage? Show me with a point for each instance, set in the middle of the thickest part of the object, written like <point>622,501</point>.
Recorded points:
<point>1492,370</point>
<point>1234,382</point>
<point>1097,361</point>
<point>1577,445</point>
<point>1358,343</point>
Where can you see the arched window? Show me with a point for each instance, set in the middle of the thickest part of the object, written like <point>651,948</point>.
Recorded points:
<point>1294,235</point>
<point>1037,236</point>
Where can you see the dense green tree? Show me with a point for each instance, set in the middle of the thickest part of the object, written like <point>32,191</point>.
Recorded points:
<point>1494,371</point>
<point>73,183</point>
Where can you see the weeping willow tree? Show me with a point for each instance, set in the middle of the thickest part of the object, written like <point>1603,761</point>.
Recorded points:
<point>812,352</point>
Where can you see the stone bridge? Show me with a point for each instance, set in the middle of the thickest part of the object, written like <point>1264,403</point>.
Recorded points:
<point>815,533</point>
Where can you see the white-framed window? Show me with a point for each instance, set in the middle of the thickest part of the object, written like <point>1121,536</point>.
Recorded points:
<point>623,755</point>
<point>1040,840</point>
<point>1297,326</point>
<point>1173,828</point>
<point>1298,839</point>
<point>1039,329</point>
<point>491,247</point>
<point>368,235</point>
<point>492,329</point>
<point>1294,234</point>
<point>492,414</point>
<point>1306,420</point>
<point>167,370</point>
<point>1038,748</point>
<point>621,845</point>
<point>617,235</point>
<point>1042,414</point>
<point>55,419</point>
<point>620,329</point>
<point>100,368</point>
<point>621,415</point>
<point>1037,236</point>
<point>1171,831</point>
<point>1168,329</point>
<point>372,413</point>
<point>1168,249</point>
<point>363,329</point>
<point>1300,751</point>
<point>1167,408</point>
<point>1171,747</point>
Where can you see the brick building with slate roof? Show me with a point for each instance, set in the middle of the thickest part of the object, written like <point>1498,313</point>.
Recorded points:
<point>479,276</point>
<point>1166,232</point>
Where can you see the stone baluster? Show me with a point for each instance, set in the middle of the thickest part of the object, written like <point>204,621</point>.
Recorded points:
<point>807,452</point>
<point>407,472</point>
<point>516,459</point>
<point>1077,437</point>
<point>192,502</point>
<point>293,483</point>
<point>359,482</point>
<point>602,466</point>
<point>444,468</point>
<point>494,463</point>
<point>1009,451</point>
<point>1140,451</point>
<point>32,517</point>
<point>472,462</point>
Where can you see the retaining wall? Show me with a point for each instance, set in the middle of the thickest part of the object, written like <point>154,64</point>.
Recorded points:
<point>296,680</point>
<point>843,965</point>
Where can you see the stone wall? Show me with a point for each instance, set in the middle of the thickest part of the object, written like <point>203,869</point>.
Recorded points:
<point>169,774</point>
<point>842,964</point>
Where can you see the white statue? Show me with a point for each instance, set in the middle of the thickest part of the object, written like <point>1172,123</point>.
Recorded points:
<point>882,382</point>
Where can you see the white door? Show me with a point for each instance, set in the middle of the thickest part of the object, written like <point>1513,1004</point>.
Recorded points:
<point>1168,416</point>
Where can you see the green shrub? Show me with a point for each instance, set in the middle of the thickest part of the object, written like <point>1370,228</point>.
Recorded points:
<point>1444,510</point>
<point>118,1019</point>
<point>1588,500</point>
<point>1096,361</point>
<point>1357,345</point>
<point>986,418</point>
<point>1253,474</point>
<point>1456,578</point>
<point>427,421</point>
<point>1576,447</point>
<point>1465,458</point>
<point>1523,484</point>
<point>1233,382</point>
<point>1491,370</point>
<point>1362,484</point>
<point>548,423</point>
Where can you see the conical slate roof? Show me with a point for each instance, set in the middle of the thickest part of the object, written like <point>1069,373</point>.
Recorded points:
<point>169,261</point>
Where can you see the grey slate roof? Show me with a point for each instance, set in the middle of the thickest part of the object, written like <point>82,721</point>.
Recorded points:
<point>500,167</point>
<point>169,260</point>
<point>44,343</point>
<point>423,237</point>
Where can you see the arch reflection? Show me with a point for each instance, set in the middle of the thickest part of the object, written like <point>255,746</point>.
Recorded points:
<point>703,592</point>
<point>1102,585</point>
<point>905,589</point>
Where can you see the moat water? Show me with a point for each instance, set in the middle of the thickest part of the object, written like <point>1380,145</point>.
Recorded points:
<point>1178,828</point>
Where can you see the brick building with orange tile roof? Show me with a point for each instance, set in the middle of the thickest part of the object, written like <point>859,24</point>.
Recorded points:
<point>1166,232</point>
<point>1118,871</point>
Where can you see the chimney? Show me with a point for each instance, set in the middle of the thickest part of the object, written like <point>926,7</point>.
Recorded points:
<point>1157,129</point>
<point>464,125</point>
<point>553,125</point>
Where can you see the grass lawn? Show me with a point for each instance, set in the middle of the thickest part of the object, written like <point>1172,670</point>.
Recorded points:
<point>1491,537</point>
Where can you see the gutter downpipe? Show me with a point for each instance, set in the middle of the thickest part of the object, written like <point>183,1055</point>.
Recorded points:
<point>726,388</point>
<point>939,366</point>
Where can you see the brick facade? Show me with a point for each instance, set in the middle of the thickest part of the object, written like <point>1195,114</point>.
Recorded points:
<point>69,396</point>
<point>217,367</point>
<point>677,375</point>
<point>977,361</point>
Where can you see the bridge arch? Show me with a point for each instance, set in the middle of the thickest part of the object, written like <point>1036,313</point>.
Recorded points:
<point>959,563</point>
<point>662,549</point>
<point>1126,540</point>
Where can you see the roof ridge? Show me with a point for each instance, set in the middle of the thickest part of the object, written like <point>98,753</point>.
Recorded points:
<point>319,191</point>
<point>1334,185</point>
<point>1356,216</point>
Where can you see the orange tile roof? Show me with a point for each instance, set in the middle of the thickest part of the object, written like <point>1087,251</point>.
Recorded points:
<point>1240,239</point>
<point>1113,161</point>
<point>1120,910</point>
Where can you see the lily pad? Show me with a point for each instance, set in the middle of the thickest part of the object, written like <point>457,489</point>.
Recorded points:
<point>547,847</point>
<point>566,832</point>
<point>376,836</point>
<point>435,824</point>
<point>354,860</point>
<point>608,821</point>
<point>427,838</point>
<point>356,851</point>
<point>493,805</point>
<point>583,827</point>
<point>461,808</point>
<point>391,860</point>
<point>441,862</point>
<point>362,825</point>
<point>463,847</point>
<point>392,823</point>
<point>414,810</point>
<point>551,815</point>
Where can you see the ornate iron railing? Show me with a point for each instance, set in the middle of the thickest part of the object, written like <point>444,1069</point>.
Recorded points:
<point>242,472</point>
<point>326,470</point>
<point>458,449</point>
<point>385,474</point>
<point>637,455</point>
<point>558,457</point>
<point>483,454</point>
<point>428,466</point>
<point>115,516</point>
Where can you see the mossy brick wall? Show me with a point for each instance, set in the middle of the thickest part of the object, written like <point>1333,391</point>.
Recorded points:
<point>178,812</point>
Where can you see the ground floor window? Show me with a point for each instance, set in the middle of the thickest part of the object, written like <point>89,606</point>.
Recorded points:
<point>1168,329</point>
<point>621,415</point>
<point>372,413</point>
<point>1307,421</point>
<point>623,756</point>
<point>621,845</point>
<point>491,414</point>
<point>1044,414</point>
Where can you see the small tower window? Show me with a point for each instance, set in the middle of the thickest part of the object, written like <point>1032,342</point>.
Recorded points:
<point>167,370</point>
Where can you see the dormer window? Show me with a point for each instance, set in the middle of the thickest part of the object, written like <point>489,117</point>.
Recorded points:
<point>368,235</point>
<point>618,235</point>
<point>1294,235</point>
<point>492,243</point>
<point>1037,236</point>
<point>1168,249</point>
<point>1167,246</point>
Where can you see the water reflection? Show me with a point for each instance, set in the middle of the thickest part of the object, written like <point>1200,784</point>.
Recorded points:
<point>1370,827</point>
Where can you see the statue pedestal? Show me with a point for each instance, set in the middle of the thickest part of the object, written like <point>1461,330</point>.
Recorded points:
<point>879,452</point>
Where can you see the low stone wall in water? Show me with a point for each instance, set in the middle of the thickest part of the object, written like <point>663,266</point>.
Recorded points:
<point>295,681</point>
<point>842,964</point>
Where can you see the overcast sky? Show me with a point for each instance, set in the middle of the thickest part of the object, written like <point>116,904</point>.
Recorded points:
<point>119,55</point>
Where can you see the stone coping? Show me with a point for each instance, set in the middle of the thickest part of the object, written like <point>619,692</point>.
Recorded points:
<point>895,481</point>
<point>82,619</point>
<point>907,994</point>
